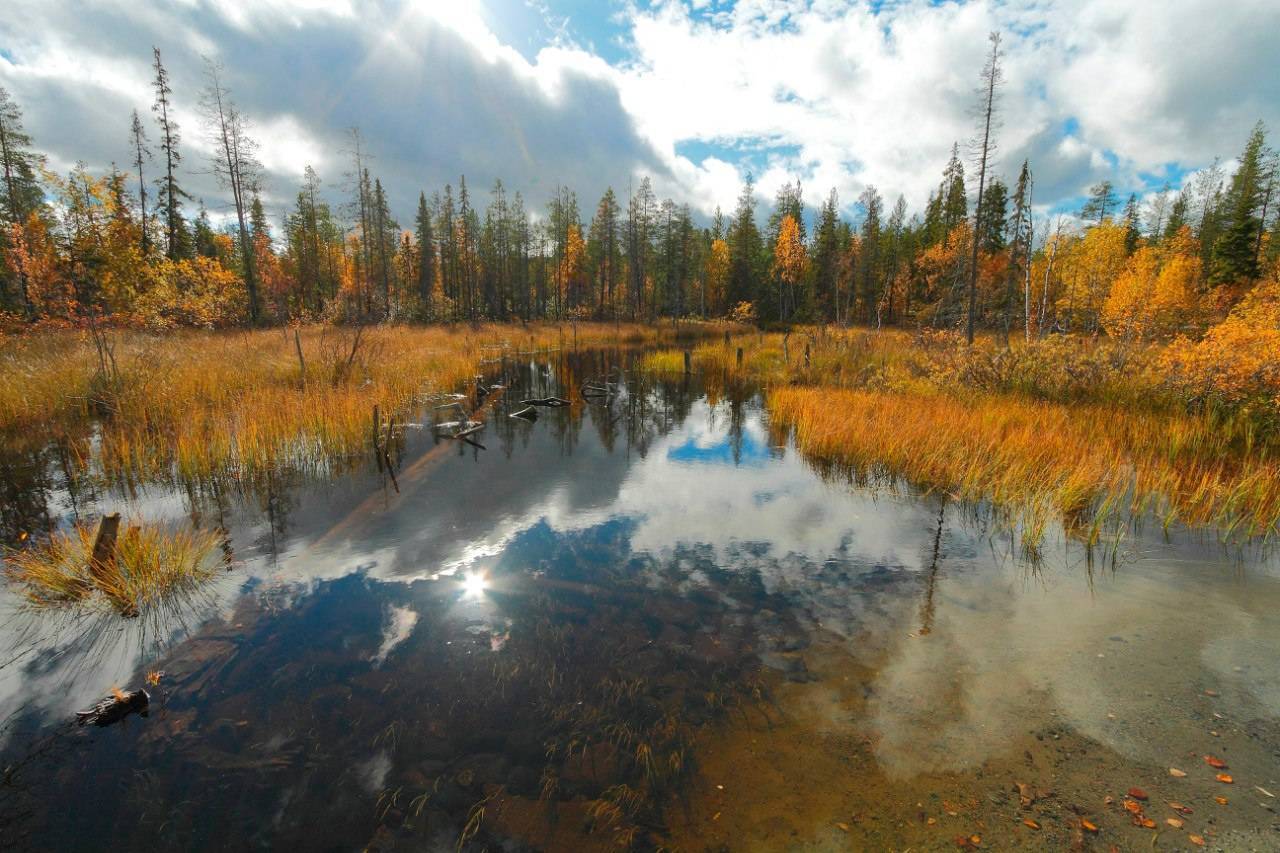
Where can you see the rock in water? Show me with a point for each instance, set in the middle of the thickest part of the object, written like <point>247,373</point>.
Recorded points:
<point>115,708</point>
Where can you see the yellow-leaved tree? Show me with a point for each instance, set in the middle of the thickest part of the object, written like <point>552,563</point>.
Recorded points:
<point>789,262</point>
<point>1237,363</point>
<point>716,278</point>
<point>1155,295</point>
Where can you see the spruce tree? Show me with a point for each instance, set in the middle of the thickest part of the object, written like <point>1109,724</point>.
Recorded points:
<point>1235,256</point>
<point>169,195</point>
<point>426,254</point>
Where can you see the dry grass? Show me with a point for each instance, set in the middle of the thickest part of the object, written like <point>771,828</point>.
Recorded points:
<point>152,565</point>
<point>1077,431</point>
<point>239,401</point>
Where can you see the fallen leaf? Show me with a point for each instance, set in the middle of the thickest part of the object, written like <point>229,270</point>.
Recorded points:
<point>716,816</point>
<point>1216,763</point>
<point>1137,793</point>
<point>1211,693</point>
<point>1222,801</point>
<point>975,840</point>
<point>1265,792</point>
<point>1108,799</point>
<point>931,821</point>
<point>1225,778</point>
<point>1030,823</point>
<point>1179,807</point>
<point>843,826</point>
<point>153,677</point>
<point>1196,840</point>
<point>1147,823</point>
<point>1175,822</point>
<point>1133,807</point>
<point>1026,794</point>
<point>1088,824</point>
<point>1176,773</point>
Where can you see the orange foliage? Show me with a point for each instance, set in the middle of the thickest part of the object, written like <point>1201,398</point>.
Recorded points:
<point>1155,295</point>
<point>1237,363</point>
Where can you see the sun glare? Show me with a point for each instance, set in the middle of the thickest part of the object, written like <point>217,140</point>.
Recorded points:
<point>474,584</point>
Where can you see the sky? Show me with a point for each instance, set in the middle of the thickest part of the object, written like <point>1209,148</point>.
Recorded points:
<point>695,94</point>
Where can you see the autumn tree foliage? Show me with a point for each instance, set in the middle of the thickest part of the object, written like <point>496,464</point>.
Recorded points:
<point>135,247</point>
<point>1155,296</point>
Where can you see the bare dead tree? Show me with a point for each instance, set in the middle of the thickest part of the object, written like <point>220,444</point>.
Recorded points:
<point>991,78</point>
<point>234,165</point>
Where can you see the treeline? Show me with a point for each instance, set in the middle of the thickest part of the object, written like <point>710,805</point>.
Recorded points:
<point>125,244</point>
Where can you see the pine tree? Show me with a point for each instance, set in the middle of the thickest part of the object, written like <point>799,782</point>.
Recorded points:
<point>1132,228</point>
<point>426,255</point>
<point>1102,200</point>
<point>1178,213</point>
<point>20,194</point>
<point>141,156</point>
<point>826,258</point>
<point>745,248</point>
<point>1235,252</point>
<point>951,194</point>
<point>205,245</point>
<point>869,257</point>
<point>994,217</point>
<point>169,195</point>
<point>991,78</point>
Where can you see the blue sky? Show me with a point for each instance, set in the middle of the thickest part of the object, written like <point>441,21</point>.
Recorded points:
<point>694,94</point>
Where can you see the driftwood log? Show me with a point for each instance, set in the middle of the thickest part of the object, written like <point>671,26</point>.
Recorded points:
<point>528,413</point>
<point>115,708</point>
<point>551,402</point>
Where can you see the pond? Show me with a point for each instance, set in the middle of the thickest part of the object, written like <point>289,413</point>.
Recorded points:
<point>641,620</point>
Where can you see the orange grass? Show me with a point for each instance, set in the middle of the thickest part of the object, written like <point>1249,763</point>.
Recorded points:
<point>1080,463</point>
<point>152,565</point>
<point>1080,431</point>
<point>239,401</point>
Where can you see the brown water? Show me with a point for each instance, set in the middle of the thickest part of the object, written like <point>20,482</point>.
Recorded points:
<point>641,621</point>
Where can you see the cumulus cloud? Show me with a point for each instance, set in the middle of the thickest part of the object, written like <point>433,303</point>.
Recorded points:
<point>694,94</point>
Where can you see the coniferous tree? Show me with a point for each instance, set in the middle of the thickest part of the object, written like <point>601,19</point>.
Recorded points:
<point>952,196</point>
<point>21,191</point>
<point>141,156</point>
<point>869,255</point>
<point>426,255</point>
<point>1102,201</point>
<point>169,194</point>
<point>204,243</point>
<point>745,247</point>
<point>1179,211</point>
<point>994,217</point>
<point>1132,228</point>
<point>826,257</point>
<point>991,78</point>
<point>1235,251</point>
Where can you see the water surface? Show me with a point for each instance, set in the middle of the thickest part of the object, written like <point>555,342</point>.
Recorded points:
<point>644,620</point>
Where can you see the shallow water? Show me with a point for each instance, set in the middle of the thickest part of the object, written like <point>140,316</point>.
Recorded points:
<point>481,649</point>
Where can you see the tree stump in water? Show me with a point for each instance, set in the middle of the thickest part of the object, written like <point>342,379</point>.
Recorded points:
<point>103,560</point>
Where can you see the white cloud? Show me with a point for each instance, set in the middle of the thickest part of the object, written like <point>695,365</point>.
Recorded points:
<point>838,95</point>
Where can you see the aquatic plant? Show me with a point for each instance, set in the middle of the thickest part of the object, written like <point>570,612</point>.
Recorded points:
<point>151,565</point>
<point>197,403</point>
<point>1082,464</point>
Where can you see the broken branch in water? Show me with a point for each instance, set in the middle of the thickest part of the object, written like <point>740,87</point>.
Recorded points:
<point>528,413</point>
<point>551,402</point>
<point>115,708</point>
<point>466,428</point>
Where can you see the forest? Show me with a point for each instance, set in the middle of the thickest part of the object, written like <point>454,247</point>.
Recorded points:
<point>133,246</point>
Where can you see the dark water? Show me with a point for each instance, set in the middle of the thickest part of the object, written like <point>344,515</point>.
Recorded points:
<point>640,621</point>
